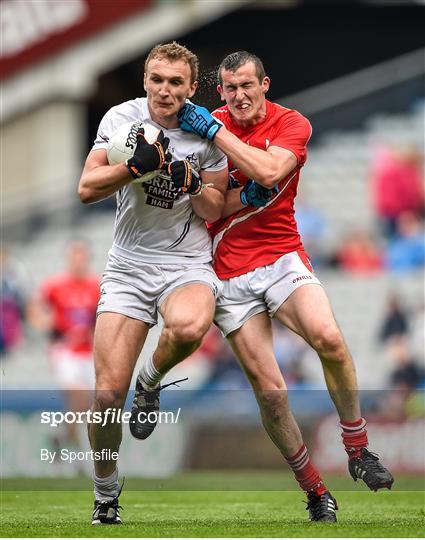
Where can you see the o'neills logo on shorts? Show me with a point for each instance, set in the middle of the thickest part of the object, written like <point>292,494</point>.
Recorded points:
<point>300,278</point>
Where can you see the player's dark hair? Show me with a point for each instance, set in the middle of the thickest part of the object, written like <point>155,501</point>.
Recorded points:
<point>235,60</point>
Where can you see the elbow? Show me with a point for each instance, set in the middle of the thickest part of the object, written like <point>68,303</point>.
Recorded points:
<point>85,195</point>
<point>268,180</point>
<point>269,177</point>
<point>277,171</point>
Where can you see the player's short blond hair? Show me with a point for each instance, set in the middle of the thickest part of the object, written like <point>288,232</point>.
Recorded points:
<point>173,52</point>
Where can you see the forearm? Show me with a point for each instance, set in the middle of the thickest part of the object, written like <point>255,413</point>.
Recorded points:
<point>266,167</point>
<point>209,204</point>
<point>257,164</point>
<point>232,202</point>
<point>101,182</point>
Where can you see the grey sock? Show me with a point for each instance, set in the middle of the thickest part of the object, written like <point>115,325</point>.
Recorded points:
<point>149,374</point>
<point>106,489</point>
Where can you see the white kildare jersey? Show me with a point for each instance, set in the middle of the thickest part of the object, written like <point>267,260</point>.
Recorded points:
<point>152,223</point>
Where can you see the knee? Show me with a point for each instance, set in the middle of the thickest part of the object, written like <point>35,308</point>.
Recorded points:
<point>109,399</point>
<point>186,332</point>
<point>329,344</point>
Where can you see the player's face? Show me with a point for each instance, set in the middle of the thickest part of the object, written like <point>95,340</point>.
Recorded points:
<point>167,85</point>
<point>244,94</point>
<point>78,259</point>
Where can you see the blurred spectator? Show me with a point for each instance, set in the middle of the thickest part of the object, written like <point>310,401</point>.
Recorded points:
<point>312,228</point>
<point>359,255</point>
<point>417,329</point>
<point>395,321</point>
<point>406,251</point>
<point>406,375</point>
<point>397,185</point>
<point>393,404</point>
<point>12,304</point>
<point>406,372</point>
<point>65,309</point>
<point>406,369</point>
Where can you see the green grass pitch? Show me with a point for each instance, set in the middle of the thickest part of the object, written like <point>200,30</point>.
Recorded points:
<point>171,509</point>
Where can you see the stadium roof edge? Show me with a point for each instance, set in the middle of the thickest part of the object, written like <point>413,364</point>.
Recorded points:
<point>72,74</point>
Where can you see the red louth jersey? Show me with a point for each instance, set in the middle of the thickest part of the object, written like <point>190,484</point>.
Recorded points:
<point>255,237</point>
<point>73,303</point>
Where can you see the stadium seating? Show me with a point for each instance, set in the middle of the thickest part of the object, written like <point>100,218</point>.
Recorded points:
<point>335,178</point>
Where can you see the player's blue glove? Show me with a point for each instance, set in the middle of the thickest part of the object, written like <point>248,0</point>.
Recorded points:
<point>198,120</point>
<point>255,195</point>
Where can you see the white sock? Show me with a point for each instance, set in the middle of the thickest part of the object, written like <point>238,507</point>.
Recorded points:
<point>149,374</point>
<point>106,489</point>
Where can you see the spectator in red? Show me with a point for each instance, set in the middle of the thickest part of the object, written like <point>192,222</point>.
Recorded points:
<point>65,308</point>
<point>359,254</point>
<point>397,185</point>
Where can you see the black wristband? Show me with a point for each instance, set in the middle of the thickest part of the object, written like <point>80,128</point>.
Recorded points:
<point>135,167</point>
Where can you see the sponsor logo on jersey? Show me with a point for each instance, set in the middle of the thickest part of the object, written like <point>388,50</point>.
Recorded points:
<point>101,138</point>
<point>194,161</point>
<point>161,192</point>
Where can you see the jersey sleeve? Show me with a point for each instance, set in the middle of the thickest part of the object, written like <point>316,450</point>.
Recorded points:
<point>214,159</point>
<point>107,127</point>
<point>293,133</point>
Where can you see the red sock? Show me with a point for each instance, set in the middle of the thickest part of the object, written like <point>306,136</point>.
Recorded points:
<point>305,472</point>
<point>354,437</point>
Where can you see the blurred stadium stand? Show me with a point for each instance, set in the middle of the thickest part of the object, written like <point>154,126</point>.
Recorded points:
<point>336,176</point>
<point>52,56</point>
<point>359,86</point>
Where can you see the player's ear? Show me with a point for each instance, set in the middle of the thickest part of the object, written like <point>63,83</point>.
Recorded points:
<point>144,81</point>
<point>192,90</point>
<point>220,91</point>
<point>265,85</point>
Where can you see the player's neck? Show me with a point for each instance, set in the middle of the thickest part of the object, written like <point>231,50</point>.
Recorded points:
<point>167,122</point>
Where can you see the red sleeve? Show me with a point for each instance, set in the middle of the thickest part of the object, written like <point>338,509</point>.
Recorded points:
<point>293,133</point>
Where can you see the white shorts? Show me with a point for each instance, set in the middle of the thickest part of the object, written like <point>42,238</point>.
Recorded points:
<point>72,370</point>
<point>262,289</point>
<point>137,290</point>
